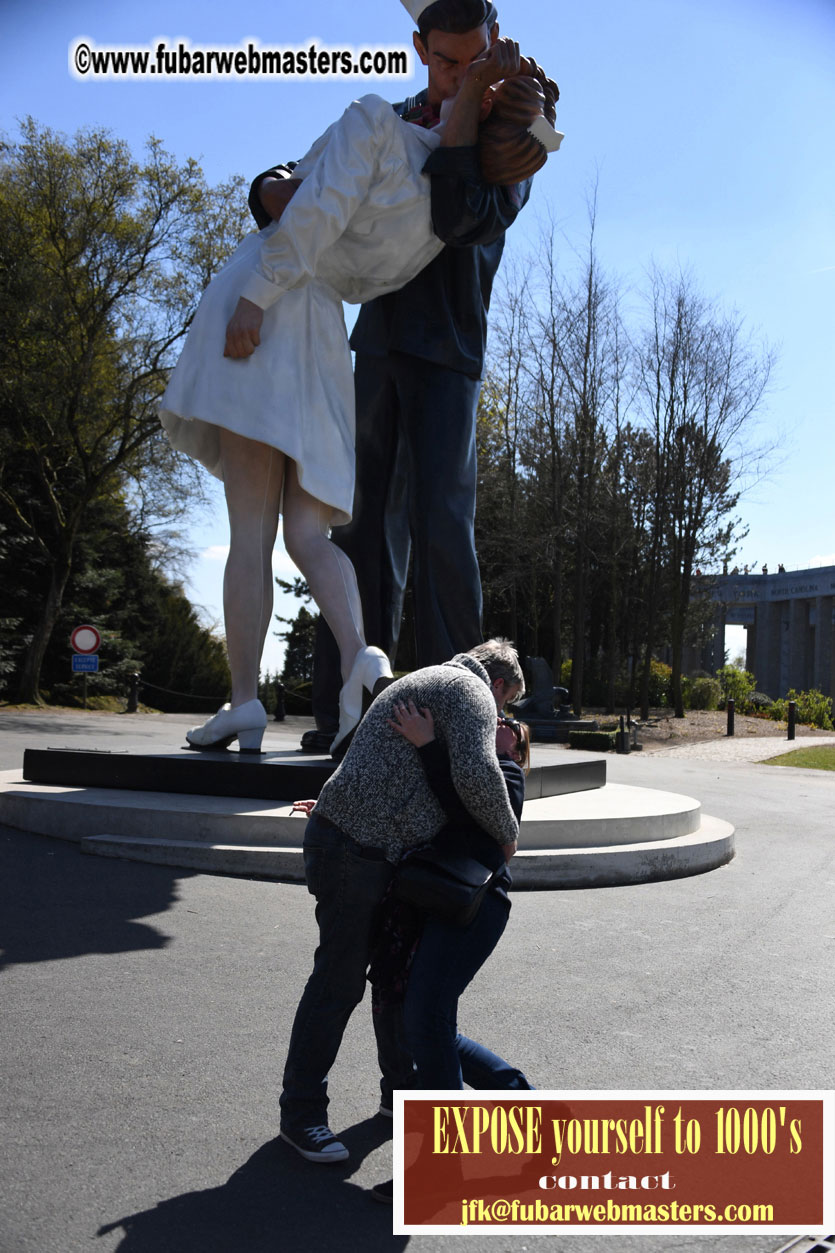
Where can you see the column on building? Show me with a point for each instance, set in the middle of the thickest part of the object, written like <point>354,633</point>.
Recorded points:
<point>823,675</point>
<point>751,644</point>
<point>799,650</point>
<point>767,637</point>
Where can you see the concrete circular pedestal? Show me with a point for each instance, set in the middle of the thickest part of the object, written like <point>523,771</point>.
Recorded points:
<point>602,837</point>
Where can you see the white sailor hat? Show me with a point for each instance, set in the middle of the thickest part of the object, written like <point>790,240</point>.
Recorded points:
<point>415,7</point>
<point>542,130</point>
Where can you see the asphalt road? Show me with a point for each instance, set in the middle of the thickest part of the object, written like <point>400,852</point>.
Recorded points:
<point>146,1012</point>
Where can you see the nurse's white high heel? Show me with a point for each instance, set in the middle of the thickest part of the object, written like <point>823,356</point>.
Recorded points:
<point>245,723</point>
<point>370,675</point>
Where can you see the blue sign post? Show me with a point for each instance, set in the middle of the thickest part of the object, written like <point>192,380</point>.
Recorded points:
<point>85,663</point>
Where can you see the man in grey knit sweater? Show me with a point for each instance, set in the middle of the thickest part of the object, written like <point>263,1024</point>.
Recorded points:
<point>375,807</point>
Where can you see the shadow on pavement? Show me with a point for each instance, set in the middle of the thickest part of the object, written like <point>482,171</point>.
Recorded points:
<point>56,903</point>
<point>276,1200</point>
<point>51,728</point>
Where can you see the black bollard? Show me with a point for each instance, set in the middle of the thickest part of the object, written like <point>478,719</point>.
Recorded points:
<point>133,694</point>
<point>792,718</point>
<point>731,708</point>
<point>280,712</point>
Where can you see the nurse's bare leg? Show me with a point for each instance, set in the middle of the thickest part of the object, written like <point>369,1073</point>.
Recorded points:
<point>328,572</point>
<point>253,474</point>
<point>252,478</point>
<point>333,584</point>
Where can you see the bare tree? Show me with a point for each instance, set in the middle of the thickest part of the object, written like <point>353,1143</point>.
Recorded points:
<point>612,462</point>
<point>504,415</point>
<point>703,382</point>
<point>576,330</point>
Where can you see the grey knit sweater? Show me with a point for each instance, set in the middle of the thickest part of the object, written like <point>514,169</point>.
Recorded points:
<point>379,795</point>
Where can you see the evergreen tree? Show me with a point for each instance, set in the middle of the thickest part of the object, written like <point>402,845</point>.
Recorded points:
<point>102,259</point>
<point>300,640</point>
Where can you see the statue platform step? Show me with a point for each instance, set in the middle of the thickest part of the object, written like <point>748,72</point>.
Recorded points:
<point>598,837</point>
<point>707,848</point>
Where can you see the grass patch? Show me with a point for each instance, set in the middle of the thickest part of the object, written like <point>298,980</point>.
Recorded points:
<point>820,758</point>
<point>95,704</point>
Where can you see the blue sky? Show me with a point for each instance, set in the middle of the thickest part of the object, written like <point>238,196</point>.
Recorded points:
<point>708,125</point>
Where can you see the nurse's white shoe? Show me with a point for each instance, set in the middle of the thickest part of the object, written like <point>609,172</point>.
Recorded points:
<point>370,675</point>
<point>245,723</point>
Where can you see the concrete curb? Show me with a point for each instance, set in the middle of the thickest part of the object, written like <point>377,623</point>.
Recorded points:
<point>550,869</point>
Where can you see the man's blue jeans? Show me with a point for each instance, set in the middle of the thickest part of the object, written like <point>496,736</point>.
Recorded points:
<point>348,882</point>
<point>446,960</point>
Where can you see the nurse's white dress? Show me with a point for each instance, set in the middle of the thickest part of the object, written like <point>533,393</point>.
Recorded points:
<point>358,226</point>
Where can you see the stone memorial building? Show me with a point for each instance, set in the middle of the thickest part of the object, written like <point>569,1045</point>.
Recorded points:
<point>788,618</point>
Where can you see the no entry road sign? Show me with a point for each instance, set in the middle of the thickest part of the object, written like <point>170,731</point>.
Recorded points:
<point>85,639</point>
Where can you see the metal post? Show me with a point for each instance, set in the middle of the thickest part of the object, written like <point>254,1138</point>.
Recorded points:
<point>792,718</point>
<point>85,689</point>
<point>731,708</point>
<point>133,695</point>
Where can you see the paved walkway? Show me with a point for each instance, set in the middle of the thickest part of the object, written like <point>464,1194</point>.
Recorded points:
<point>166,733</point>
<point>737,748</point>
<point>146,1013</point>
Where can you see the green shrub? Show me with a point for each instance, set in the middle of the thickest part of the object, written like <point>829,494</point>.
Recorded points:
<point>704,693</point>
<point>813,709</point>
<point>597,741</point>
<point>687,681</point>
<point>736,685</point>
<point>660,684</point>
<point>759,702</point>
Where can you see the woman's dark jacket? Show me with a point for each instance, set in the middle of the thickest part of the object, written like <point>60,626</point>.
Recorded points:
<point>462,835</point>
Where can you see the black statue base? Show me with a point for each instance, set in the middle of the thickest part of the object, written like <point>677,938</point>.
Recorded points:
<point>555,730</point>
<point>281,776</point>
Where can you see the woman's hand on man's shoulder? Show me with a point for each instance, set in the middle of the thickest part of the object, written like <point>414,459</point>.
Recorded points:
<point>415,725</point>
